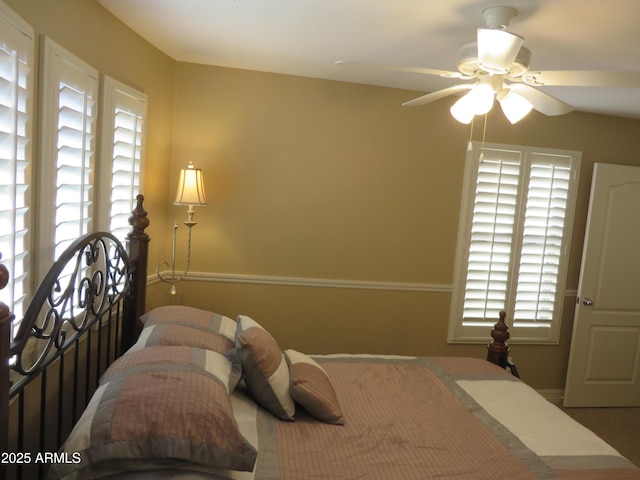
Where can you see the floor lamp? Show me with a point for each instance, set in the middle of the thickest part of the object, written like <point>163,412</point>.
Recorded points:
<point>190,193</point>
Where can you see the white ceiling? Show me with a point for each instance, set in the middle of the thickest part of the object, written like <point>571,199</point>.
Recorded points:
<point>306,37</point>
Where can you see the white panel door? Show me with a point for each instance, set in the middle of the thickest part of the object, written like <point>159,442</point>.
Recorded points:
<point>604,361</point>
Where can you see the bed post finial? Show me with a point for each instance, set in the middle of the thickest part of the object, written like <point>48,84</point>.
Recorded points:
<point>498,350</point>
<point>138,248</point>
<point>138,220</point>
<point>6,317</point>
<point>4,275</point>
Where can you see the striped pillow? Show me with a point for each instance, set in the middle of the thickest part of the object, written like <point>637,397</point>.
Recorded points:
<point>265,368</point>
<point>167,415</point>
<point>182,335</point>
<point>312,388</point>
<point>175,355</point>
<point>193,317</point>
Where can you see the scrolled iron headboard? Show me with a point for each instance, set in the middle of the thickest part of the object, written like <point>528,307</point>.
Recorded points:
<point>89,278</point>
<point>87,308</point>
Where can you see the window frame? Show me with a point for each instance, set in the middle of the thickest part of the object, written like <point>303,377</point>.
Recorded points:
<point>467,331</point>
<point>38,215</point>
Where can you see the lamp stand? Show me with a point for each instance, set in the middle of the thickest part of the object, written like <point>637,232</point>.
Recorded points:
<point>190,193</point>
<point>171,278</point>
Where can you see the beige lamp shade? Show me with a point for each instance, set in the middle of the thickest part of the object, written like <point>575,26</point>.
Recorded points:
<point>190,187</point>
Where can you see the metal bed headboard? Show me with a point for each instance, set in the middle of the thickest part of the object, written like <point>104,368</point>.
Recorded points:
<point>83,315</point>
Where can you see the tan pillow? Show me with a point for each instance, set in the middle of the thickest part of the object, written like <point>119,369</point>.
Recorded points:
<point>194,317</point>
<point>312,388</point>
<point>265,368</point>
<point>174,355</point>
<point>182,335</point>
<point>172,414</point>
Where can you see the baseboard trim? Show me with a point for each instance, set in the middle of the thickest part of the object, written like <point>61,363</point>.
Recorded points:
<point>554,396</point>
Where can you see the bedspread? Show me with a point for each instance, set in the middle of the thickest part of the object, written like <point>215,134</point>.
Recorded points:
<point>415,418</point>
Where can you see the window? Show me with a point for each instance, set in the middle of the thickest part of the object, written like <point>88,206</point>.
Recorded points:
<point>67,196</point>
<point>16,114</point>
<point>513,240</point>
<point>66,178</point>
<point>124,125</point>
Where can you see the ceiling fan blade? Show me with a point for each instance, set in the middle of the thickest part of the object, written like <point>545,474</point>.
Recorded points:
<point>437,95</point>
<point>584,78</point>
<point>423,71</point>
<point>541,101</point>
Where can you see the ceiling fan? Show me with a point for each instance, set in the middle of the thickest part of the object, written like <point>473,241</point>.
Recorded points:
<point>498,64</point>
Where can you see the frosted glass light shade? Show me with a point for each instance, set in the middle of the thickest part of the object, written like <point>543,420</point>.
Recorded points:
<point>462,112</point>
<point>515,107</point>
<point>497,49</point>
<point>477,102</point>
<point>482,98</point>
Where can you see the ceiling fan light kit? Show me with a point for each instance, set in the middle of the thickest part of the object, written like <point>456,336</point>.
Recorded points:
<point>498,55</point>
<point>498,59</point>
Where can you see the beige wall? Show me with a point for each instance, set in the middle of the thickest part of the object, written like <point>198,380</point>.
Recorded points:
<point>89,31</point>
<point>315,179</point>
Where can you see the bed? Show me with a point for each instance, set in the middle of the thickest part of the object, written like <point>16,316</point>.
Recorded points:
<point>94,386</point>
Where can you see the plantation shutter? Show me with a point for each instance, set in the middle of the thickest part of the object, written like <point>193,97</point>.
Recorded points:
<point>16,97</point>
<point>492,234</point>
<point>124,111</point>
<point>542,243</point>
<point>74,164</point>
<point>69,137</point>
<point>515,230</point>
